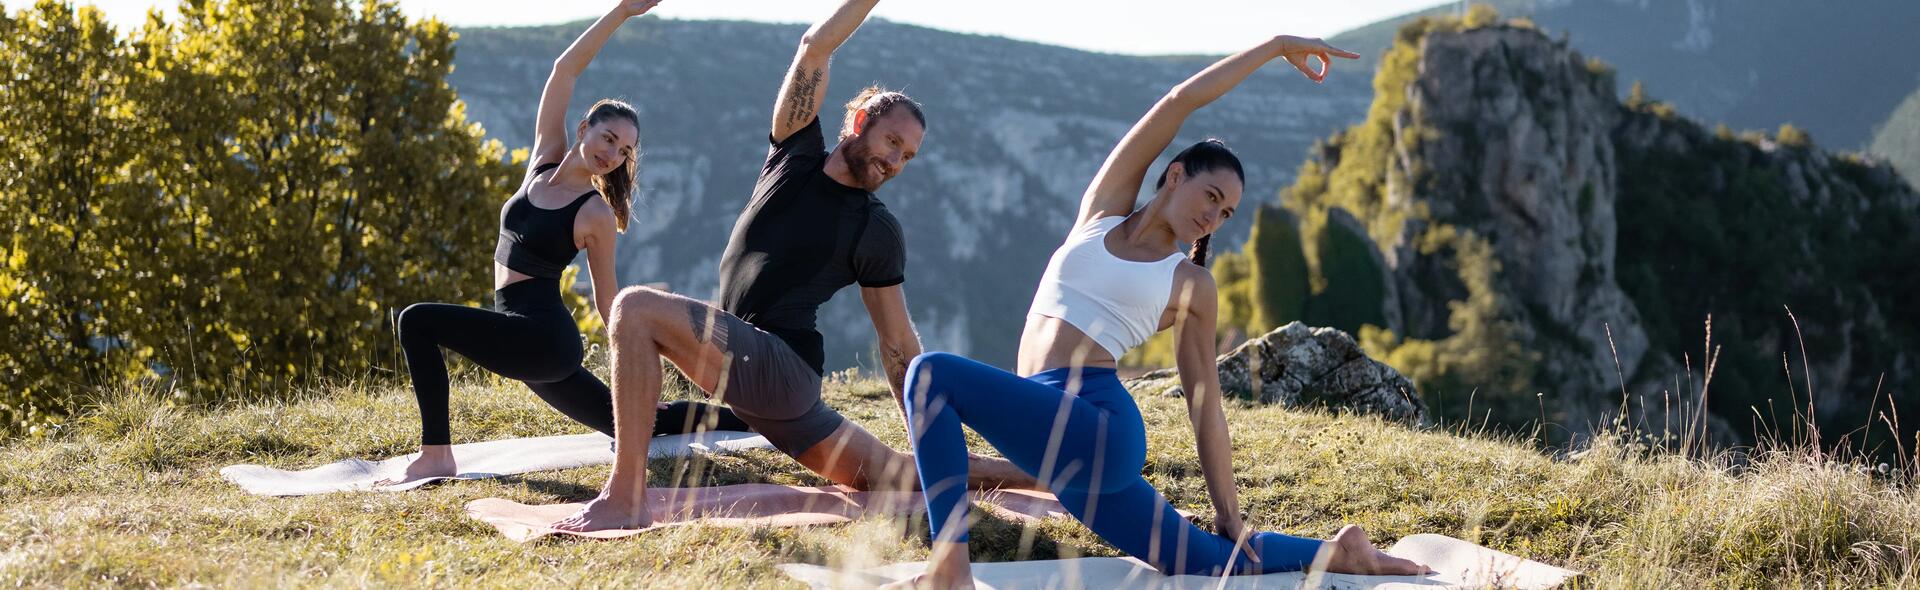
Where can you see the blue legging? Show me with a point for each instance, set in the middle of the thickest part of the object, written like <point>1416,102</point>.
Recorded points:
<point>1093,464</point>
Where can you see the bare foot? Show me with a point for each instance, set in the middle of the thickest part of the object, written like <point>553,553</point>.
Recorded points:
<point>434,461</point>
<point>1354,554</point>
<point>605,514</point>
<point>948,570</point>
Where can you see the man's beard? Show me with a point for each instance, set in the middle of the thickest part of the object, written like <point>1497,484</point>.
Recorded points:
<point>861,164</point>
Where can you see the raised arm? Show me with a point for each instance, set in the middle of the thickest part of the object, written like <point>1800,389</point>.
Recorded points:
<point>899,343</point>
<point>550,125</point>
<point>1195,306</point>
<point>806,84</point>
<point>1117,184</point>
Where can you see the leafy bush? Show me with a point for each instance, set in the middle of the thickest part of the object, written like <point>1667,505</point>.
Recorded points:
<point>231,201</point>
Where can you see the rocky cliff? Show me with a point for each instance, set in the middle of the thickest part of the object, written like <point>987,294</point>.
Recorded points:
<point>1540,236</point>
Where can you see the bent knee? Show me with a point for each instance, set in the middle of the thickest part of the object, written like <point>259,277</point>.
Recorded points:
<point>932,362</point>
<point>413,321</point>
<point>636,308</point>
<point>636,301</point>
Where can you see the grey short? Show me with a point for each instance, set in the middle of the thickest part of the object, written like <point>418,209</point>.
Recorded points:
<point>768,385</point>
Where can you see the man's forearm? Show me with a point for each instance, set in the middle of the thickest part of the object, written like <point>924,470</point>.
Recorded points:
<point>826,36</point>
<point>894,358</point>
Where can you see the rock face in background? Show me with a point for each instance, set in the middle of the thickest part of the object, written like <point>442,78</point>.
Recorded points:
<point>1297,366</point>
<point>1543,237</point>
<point>1521,153</point>
<point>1016,130</point>
<point>1615,231</point>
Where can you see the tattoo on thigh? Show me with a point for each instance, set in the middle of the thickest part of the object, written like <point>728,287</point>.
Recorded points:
<point>707,327</point>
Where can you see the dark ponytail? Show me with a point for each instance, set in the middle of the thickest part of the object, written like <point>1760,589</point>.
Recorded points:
<point>617,185</point>
<point>1199,252</point>
<point>1206,155</point>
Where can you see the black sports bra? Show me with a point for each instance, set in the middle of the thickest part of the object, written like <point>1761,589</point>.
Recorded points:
<point>537,242</point>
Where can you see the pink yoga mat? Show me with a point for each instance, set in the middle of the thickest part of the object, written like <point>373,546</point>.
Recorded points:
<point>757,504</point>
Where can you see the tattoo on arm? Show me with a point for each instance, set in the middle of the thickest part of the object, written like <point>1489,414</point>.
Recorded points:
<point>894,361</point>
<point>803,97</point>
<point>895,364</point>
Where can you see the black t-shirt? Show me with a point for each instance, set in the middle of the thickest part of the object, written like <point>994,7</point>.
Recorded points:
<point>803,237</point>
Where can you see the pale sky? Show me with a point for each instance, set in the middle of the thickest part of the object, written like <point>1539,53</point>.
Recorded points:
<point>1118,26</point>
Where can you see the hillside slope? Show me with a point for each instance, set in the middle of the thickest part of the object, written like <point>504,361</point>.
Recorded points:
<point>130,497</point>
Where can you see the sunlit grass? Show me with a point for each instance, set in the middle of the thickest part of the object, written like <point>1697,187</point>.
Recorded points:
<point>129,496</point>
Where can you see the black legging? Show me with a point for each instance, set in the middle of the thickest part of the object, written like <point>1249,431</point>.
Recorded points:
<point>528,336</point>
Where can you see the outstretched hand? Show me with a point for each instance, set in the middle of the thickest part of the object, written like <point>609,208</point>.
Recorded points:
<point>633,8</point>
<point>1234,527</point>
<point>1297,50</point>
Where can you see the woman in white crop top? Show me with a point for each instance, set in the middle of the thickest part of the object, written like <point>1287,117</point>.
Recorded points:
<point>1119,278</point>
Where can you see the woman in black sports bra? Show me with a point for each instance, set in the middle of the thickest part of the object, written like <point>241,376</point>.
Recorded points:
<point>529,335</point>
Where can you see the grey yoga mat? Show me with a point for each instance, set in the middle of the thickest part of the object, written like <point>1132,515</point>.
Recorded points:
<point>479,461</point>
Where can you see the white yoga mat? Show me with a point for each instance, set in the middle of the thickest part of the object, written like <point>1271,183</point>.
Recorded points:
<point>1460,565</point>
<point>480,461</point>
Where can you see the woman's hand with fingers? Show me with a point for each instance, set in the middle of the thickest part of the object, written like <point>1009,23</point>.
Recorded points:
<point>1234,528</point>
<point>633,8</point>
<point>1298,50</point>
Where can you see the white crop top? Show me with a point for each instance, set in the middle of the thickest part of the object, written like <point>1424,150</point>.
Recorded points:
<point>1116,302</point>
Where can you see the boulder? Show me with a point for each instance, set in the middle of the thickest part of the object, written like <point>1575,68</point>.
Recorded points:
<point>1298,366</point>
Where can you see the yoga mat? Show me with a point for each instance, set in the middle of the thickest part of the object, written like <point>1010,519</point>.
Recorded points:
<point>480,461</point>
<point>1460,565</point>
<point>755,504</point>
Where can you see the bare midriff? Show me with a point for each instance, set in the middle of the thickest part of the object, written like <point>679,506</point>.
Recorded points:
<point>1051,343</point>
<point>503,276</point>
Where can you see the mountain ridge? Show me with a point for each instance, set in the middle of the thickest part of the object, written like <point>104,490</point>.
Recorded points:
<point>983,206</point>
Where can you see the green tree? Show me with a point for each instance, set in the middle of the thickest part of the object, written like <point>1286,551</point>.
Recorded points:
<point>245,195</point>
<point>60,117</point>
<point>1794,137</point>
<point>1356,277</point>
<point>1481,15</point>
<point>1637,95</point>
<point>1278,264</point>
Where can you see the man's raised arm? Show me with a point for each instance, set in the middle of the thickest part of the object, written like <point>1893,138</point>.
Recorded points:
<point>806,84</point>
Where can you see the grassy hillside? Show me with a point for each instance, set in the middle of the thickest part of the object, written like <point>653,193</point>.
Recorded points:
<point>129,497</point>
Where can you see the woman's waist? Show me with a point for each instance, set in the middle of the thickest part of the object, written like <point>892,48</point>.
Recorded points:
<point>1049,342</point>
<point>1052,351</point>
<point>531,295</point>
